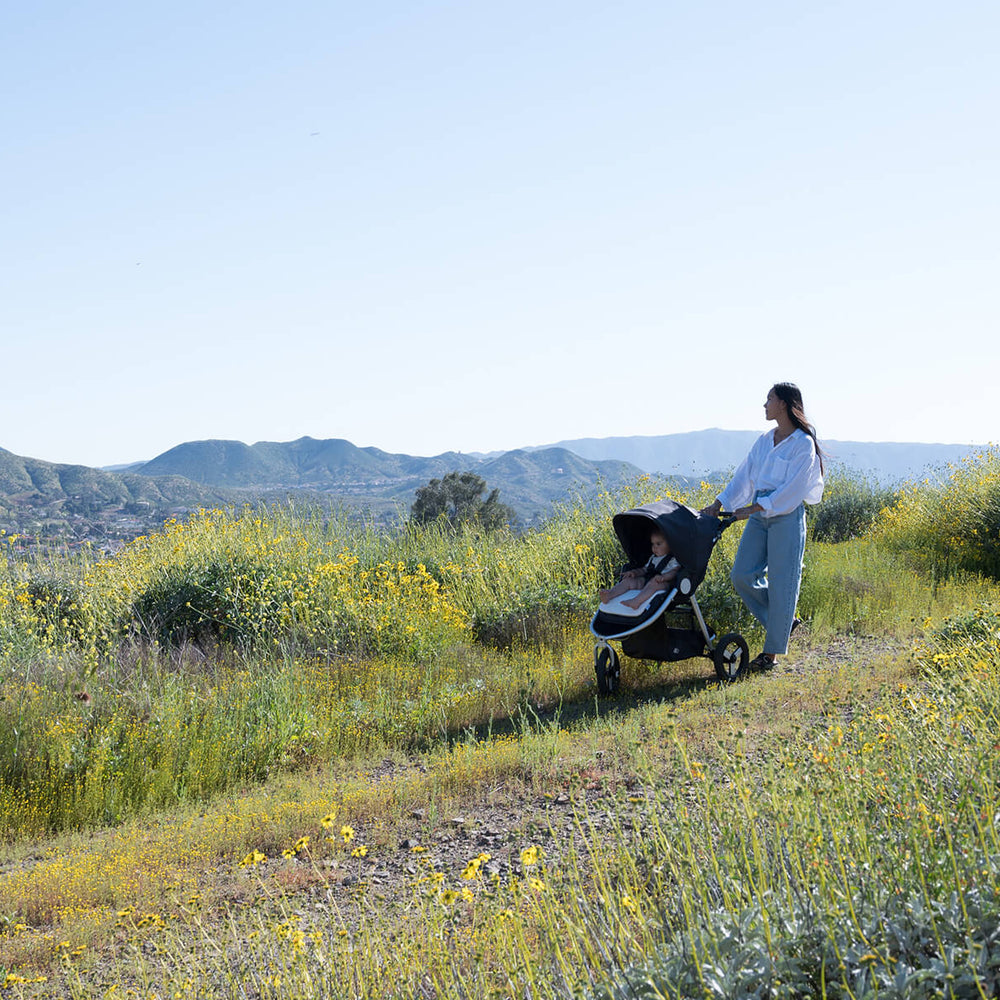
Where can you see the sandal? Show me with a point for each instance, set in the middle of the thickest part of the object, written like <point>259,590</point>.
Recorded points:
<point>763,662</point>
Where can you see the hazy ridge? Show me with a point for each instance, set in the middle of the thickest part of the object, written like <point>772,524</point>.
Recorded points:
<point>703,453</point>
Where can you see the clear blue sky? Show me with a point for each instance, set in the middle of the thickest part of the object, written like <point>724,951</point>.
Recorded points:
<point>428,226</point>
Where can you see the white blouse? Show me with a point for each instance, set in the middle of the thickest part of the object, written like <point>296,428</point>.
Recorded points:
<point>790,471</point>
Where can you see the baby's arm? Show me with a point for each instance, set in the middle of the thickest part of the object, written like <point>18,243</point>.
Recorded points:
<point>633,575</point>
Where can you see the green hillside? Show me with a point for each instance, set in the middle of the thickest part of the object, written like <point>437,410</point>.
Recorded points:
<point>320,464</point>
<point>74,503</point>
<point>529,481</point>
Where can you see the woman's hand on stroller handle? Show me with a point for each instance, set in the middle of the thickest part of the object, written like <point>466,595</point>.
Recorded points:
<point>727,517</point>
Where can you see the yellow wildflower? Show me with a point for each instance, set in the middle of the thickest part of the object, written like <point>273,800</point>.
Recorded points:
<point>530,856</point>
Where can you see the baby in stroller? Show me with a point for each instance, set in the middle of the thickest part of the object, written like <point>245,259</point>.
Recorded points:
<point>659,571</point>
<point>668,624</point>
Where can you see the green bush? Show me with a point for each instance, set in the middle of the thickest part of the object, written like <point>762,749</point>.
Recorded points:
<point>882,945</point>
<point>851,503</point>
<point>226,600</point>
<point>973,627</point>
<point>952,525</point>
<point>538,616</point>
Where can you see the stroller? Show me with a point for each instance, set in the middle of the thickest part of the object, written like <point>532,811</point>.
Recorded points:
<point>670,625</point>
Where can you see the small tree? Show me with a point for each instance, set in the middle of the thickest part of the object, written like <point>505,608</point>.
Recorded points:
<point>458,499</point>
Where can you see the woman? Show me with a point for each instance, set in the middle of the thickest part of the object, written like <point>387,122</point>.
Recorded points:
<point>782,473</point>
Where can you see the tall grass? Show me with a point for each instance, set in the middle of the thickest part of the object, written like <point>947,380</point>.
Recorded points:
<point>856,857</point>
<point>240,642</point>
<point>950,525</point>
<point>844,860</point>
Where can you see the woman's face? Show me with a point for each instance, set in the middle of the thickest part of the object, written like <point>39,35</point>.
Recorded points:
<point>774,406</point>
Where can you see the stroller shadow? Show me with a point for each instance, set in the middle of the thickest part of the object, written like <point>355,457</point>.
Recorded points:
<point>532,716</point>
<point>638,692</point>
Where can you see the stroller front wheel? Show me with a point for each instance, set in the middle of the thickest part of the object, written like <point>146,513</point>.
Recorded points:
<point>608,669</point>
<point>730,656</point>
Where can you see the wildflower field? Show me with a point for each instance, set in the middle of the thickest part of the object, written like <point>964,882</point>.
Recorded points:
<point>268,753</point>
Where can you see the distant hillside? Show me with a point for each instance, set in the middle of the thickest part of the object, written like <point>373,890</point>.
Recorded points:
<point>708,452</point>
<point>77,503</point>
<point>893,462</point>
<point>536,480</point>
<point>79,486</point>
<point>127,467</point>
<point>305,462</point>
<point>530,482</point>
<point>74,503</point>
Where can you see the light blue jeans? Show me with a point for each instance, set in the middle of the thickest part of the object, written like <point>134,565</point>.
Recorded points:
<point>767,572</point>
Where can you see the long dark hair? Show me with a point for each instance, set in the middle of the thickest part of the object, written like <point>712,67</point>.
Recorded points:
<point>791,395</point>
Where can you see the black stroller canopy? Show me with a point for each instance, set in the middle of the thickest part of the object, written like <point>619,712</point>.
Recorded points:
<point>690,535</point>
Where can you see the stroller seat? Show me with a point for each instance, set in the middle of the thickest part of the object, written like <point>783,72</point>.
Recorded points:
<point>614,620</point>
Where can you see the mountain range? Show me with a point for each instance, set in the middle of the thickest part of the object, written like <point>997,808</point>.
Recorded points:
<point>322,464</point>
<point>528,480</point>
<point>74,503</point>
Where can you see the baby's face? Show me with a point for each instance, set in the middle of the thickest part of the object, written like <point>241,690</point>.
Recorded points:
<point>659,545</point>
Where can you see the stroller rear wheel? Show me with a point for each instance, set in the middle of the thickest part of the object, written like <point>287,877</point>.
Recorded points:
<point>730,656</point>
<point>608,669</point>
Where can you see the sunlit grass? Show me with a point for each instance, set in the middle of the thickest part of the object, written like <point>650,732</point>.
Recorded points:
<point>187,734</point>
<point>232,645</point>
<point>952,523</point>
<point>806,841</point>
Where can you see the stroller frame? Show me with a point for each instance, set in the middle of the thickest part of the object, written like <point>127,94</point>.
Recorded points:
<point>692,537</point>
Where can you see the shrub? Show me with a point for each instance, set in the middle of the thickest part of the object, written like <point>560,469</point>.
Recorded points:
<point>952,525</point>
<point>226,599</point>
<point>538,616</point>
<point>47,614</point>
<point>979,624</point>
<point>883,945</point>
<point>850,506</point>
